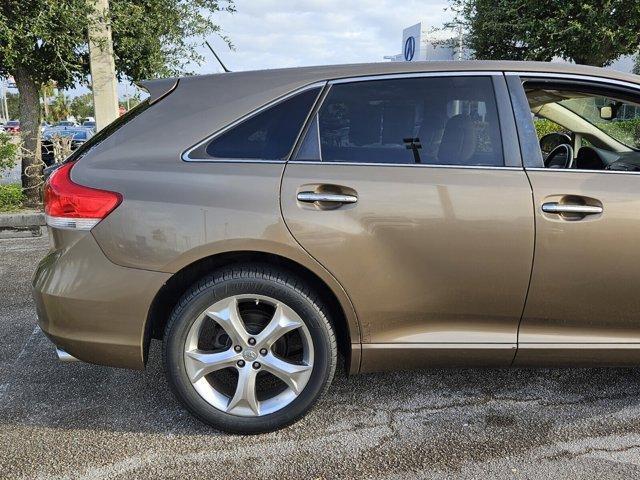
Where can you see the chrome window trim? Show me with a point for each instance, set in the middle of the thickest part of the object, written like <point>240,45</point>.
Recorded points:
<point>185,155</point>
<point>406,165</point>
<point>575,76</point>
<point>394,76</point>
<point>581,170</point>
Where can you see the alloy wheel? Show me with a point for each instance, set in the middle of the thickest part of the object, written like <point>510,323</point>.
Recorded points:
<point>248,355</point>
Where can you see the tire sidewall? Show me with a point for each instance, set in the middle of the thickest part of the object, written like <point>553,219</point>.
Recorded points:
<point>310,313</point>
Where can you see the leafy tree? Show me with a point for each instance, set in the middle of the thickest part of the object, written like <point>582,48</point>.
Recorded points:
<point>47,40</point>
<point>12,103</point>
<point>82,106</point>
<point>590,32</point>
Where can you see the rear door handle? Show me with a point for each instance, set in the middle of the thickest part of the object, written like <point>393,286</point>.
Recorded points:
<point>312,197</point>
<point>554,207</point>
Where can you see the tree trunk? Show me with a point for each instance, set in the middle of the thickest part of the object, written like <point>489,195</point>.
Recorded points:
<point>29,107</point>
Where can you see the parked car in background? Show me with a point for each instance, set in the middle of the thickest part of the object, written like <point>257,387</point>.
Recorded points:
<point>12,126</point>
<point>89,124</point>
<point>402,214</point>
<point>75,136</point>
<point>66,123</point>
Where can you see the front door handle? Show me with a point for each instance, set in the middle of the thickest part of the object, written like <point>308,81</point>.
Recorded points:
<point>555,207</point>
<point>312,197</point>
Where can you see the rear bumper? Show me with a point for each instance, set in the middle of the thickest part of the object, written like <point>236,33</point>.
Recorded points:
<point>90,307</point>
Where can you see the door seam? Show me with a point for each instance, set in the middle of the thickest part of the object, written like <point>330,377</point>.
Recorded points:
<point>533,260</point>
<point>361,327</point>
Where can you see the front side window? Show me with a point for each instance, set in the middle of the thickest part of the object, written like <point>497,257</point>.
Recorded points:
<point>438,120</point>
<point>585,127</point>
<point>268,135</point>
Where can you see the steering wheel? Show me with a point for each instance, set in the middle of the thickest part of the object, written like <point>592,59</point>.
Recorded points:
<point>560,157</point>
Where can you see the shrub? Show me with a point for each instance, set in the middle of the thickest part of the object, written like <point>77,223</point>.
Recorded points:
<point>11,197</point>
<point>544,127</point>
<point>625,131</point>
<point>8,152</point>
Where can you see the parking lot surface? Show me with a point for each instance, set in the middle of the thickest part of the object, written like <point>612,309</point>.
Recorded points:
<point>89,422</point>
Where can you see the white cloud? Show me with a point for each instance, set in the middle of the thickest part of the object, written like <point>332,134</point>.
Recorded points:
<point>273,33</point>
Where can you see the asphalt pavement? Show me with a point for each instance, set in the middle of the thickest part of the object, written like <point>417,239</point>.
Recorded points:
<point>88,422</point>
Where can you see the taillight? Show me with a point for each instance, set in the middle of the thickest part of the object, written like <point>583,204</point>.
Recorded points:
<point>72,206</point>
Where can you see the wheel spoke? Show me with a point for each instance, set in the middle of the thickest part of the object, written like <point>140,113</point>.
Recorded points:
<point>283,322</point>
<point>245,396</point>
<point>200,363</point>
<point>228,317</point>
<point>294,375</point>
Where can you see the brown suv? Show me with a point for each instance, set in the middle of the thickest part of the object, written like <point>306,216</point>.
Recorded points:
<point>401,214</point>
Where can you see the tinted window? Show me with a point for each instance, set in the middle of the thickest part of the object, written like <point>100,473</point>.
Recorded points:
<point>268,135</point>
<point>445,121</point>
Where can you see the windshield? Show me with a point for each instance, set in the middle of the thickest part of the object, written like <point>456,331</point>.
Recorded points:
<point>618,119</point>
<point>108,131</point>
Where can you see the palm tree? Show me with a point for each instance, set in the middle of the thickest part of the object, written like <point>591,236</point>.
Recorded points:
<point>46,91</point>
<point>60,109</point>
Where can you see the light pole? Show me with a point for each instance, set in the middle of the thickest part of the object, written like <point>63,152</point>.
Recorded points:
<point>102,65</point>
<point>4,110</point>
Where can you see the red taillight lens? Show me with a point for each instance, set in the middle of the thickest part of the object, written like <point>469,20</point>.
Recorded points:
<point>72,206</point>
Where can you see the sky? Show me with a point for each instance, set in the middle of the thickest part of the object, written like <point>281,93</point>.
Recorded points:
<point>287,33</point>
<point>293,33</point>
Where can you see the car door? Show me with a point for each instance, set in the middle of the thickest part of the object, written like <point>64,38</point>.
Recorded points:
<point>410,191</point>
<point>583,305</point>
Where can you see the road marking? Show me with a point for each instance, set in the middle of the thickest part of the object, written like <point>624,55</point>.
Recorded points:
<point>4,388</point>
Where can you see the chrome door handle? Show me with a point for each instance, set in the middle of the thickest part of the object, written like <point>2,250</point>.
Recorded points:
<point>554,207</point>
<point>311,197</point>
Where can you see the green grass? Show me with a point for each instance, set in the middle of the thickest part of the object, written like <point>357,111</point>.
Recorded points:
<point>11,197</point>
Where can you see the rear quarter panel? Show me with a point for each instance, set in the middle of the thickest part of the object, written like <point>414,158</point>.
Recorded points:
<point>175,212</point>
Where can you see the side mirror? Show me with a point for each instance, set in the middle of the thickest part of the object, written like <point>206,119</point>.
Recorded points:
<point>606,113</point>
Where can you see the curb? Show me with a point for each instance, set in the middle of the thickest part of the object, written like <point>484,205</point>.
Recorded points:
<point>22,224</point>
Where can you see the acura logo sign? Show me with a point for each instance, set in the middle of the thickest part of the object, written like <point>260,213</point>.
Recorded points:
<point>409,48</point>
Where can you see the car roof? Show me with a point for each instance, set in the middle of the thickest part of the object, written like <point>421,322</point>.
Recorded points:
<point>325,72</point>
<point>298,76</point>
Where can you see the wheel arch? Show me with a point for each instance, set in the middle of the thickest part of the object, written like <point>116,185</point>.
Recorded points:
<point>341,312</point>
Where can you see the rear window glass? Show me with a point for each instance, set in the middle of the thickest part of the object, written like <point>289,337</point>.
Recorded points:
<point>108,131</point>
<point>268,135</point>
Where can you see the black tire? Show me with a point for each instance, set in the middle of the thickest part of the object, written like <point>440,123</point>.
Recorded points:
<point>258,280</point>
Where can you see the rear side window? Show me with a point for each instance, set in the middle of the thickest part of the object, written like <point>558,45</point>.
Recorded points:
<point>439,120</point>
<point>268,135</point>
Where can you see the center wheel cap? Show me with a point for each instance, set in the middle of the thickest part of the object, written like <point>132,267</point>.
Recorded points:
<point>249,355</point>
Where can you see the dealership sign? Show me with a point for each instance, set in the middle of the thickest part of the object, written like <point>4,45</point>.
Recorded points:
<point>411,43</point>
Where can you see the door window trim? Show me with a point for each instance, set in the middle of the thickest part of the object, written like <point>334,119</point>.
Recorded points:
<point>506,120</point>
<point>515,84</point>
